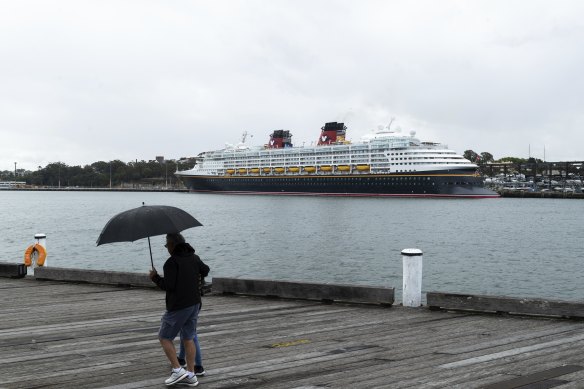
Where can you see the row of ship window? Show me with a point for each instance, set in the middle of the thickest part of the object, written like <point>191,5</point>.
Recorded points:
<point>331,157</point>
<point>393,181</point>
<point>313,156</point>
<point>377,164</point>
<point>286,153</point>
<point>304,182</point>
<point>329,154</point>
<point>342,179</point>
<point>326,161</point>
<point>418,158</point>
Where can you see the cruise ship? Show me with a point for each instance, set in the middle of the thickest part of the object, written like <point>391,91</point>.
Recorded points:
<point>382,163</point>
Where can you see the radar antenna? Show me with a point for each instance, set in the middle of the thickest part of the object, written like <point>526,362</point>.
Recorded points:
<point>243,136</point>
<point>390,121</point>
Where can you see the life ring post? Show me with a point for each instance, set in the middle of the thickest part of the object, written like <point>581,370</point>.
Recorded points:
<point>36,254</point>
<point>41,239</point>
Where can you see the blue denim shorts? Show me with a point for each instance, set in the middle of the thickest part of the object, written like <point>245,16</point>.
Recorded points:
<point>183,321</point>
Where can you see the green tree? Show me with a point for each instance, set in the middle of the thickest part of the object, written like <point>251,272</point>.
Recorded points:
<point>471,155</point>
<point>486,157</point>
<point>512,159</point>
<point>99,174</point>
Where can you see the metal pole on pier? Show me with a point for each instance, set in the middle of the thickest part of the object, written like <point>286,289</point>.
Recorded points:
<point>412,277</point>
<point>41,239</point>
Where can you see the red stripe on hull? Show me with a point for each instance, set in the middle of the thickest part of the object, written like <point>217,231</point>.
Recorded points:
<point>346,194</point>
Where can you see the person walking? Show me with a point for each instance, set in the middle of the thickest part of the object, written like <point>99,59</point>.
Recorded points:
<point>199,369</point>
<point>183,300</point>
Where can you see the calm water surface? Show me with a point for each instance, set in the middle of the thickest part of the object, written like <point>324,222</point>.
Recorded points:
<point>516,247</point>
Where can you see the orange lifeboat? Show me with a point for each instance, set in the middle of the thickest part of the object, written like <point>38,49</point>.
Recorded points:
<point>230,171</point>
<point>279,170</point>
<point>343,168</point>
<point>255,170</point>
<point>326,168</point>
<point>242,171</point>
<point>294,169</point>
<point>267,169</point>
<point>363,168</point>
<point>309,169</point>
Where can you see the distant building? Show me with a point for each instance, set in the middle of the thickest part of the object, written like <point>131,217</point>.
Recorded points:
<point>12,184</point>
<point>160,159</point>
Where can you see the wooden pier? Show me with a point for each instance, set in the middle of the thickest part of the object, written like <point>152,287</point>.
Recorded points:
<point>58,334</point>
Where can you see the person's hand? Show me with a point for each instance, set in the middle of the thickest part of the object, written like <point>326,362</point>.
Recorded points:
<point>153,274</point>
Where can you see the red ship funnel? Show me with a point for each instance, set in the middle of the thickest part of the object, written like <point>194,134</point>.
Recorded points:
<point>279,139</point>
<point>332,133</point>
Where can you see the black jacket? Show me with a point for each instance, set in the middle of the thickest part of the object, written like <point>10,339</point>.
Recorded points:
<point>182,272</point>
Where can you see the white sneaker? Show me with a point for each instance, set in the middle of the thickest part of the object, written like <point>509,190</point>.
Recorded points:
<point>176,377</point>
<point>189,381</point>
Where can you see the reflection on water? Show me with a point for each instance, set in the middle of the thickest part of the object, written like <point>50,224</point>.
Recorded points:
<point>518,247</point>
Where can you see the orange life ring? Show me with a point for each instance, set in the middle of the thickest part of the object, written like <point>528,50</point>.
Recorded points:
<point>42,254</point>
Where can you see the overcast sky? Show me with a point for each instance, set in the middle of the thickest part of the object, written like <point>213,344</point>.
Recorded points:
<point>84,81</point>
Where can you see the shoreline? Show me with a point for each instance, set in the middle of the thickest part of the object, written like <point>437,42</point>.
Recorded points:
<point>540,195</point>
<point>98,189</point>
<point>502,193</point>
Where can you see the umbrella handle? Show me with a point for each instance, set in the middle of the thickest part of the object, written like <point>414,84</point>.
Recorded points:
<point>150,248</point>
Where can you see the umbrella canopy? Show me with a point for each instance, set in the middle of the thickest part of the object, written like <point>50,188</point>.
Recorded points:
<point>144,222</point>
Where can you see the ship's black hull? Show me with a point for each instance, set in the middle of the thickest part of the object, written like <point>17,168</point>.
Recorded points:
<point>435,184</point>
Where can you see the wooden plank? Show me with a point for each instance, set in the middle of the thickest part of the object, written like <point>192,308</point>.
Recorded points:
<point>473,375</point>
<point>524,306</point>
<point>535,377</point>
<point>512,352</point>
<point>525,335</point>
<point>575,380</point>
<point>504,369</point>
<point>304,290</point>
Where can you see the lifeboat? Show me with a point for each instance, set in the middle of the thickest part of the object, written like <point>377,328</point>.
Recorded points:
<point>255,170</point>
<point>279,169</point>
<point>242,171</point>
<point>363,168</point>
<point>343,168</point>
<point>309,169</point>
<point>326,168</point>
<point>230,171</point>
<point>267,169</point>
<point>294,169</point>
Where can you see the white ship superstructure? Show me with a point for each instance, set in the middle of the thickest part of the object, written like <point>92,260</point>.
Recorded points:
<point>381,152</point>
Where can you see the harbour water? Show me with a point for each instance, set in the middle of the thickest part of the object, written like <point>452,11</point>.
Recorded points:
<point>506,246</point>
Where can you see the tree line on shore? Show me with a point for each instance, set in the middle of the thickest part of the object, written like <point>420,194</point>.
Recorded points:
<point>486,157</point>
<point>101,174</point>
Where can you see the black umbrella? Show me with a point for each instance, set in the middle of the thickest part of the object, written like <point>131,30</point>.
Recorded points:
<point>144,222</point>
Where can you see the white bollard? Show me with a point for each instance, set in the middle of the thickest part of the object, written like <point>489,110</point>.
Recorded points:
<point>41,239</point>
<point>412,281</point>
